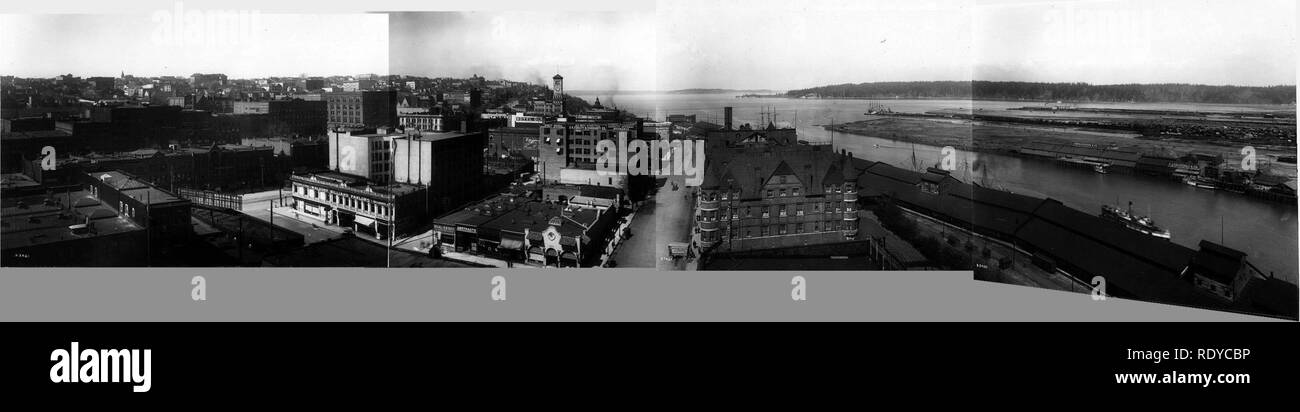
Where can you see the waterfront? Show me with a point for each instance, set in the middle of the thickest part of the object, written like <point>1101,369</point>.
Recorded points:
<point>1266,231</point>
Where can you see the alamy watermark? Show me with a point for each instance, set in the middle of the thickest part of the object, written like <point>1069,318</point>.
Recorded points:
<point>180,26</point>
<point>667,157</point>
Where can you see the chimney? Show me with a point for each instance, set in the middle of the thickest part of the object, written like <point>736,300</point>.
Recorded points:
<point>726,117</point>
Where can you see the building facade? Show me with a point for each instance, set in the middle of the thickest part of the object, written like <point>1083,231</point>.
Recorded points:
<point>355,203</point>
<point>361,109</point>
<point>777,197</point>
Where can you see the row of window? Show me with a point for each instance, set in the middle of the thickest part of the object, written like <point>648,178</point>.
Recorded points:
<point>365,205</point>
<point>782,192</point>
<point>786,229</point>
<point>797,209</point>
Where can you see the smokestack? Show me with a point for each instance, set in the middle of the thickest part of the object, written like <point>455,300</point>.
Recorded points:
<point>726,119</point>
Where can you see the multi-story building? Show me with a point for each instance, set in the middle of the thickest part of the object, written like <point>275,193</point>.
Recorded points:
<point>382,182</point>
<point>449,164</point>
<point>367,155</point>
<point>378,210</point>
<point>359,85</point>
<point>252,107</point>
<point>770,197</point>
<point>422,122</point>
<point>361,109</point>
<point>105,219</point>
<point>72,228</point>
<point>504,141</point>
<point>572,147</point>
<point>298,117</point>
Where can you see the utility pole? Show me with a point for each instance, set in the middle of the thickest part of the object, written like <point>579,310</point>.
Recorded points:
<point>148,225</point>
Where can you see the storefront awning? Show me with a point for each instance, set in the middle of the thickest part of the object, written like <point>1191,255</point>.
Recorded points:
<point>512,244</point>
<point>364,221</point>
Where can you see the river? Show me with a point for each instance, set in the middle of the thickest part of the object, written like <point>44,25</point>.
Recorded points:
<point>1265,230</point>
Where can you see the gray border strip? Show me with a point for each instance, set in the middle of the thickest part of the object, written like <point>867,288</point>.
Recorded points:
<point>315,295</point>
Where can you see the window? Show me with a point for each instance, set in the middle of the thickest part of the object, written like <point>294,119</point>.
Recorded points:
<point>765,230</point>
<point>782,211</point>
<point>769,192</point>
<point>749,212</point>
<point>782,228</point>
<point>798,228</point>
<point>794,192</point>
<point>798,210</point>
<point>782,192</point>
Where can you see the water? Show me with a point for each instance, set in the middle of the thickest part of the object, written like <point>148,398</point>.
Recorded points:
<point>1265,230</point>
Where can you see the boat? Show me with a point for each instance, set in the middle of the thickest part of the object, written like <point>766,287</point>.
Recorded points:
<point>1142,224</point>
<point>1100,168</point>
<point>1200,182</point>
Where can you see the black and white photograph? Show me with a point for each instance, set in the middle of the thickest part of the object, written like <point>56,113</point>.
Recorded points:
<point>1140,150</point>
<point>224,200</point>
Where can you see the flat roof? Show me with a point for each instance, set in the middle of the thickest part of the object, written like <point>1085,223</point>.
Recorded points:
<point>16,180</point>
<point>439,136</point>
<point>42,223</point>
<point>136,189</point>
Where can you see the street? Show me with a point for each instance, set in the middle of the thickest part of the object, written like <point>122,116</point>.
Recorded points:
<point>664,218</point>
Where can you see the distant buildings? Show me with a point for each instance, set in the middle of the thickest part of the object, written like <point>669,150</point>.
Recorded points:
<point>422,122</point>
<point>557,95</point>
<point>216,167</point>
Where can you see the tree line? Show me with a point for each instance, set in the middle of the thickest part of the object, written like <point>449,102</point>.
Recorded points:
<point>1070,92</point>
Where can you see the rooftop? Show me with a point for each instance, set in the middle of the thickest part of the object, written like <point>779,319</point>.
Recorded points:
<point>42,219</point>
<point>128,185</point>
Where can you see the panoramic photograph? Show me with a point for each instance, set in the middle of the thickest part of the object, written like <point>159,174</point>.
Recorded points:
<point>1116,150</point>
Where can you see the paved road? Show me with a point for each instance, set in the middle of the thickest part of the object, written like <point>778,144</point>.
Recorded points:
<point>638,251</point>
<point>664,218</point>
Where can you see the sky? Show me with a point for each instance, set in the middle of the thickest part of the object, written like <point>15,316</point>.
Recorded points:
<point>154,43</point>
<point>1238,42</point>
<point>678,44</point>
<point>795,44</point>
<point>593,50</point>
